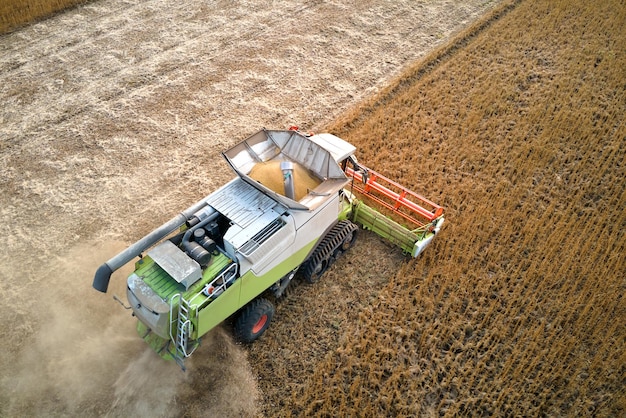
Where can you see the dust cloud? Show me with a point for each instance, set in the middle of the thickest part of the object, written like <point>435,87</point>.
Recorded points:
<point>82,355</point>
<point>146,388</point>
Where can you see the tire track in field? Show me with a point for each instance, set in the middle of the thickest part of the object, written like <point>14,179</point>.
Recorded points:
<point>425,67</point>
<point>75,28</point>
<point>123,79</point>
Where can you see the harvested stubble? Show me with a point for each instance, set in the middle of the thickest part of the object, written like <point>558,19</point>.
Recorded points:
<point>517,128</point>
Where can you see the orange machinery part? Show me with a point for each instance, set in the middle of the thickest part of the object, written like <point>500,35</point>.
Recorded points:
<point>399,200</point>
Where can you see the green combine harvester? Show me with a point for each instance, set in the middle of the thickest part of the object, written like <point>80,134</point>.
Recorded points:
<point>295,205</point>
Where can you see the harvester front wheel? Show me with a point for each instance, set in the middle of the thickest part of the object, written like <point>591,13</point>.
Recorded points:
<point>253,320</point>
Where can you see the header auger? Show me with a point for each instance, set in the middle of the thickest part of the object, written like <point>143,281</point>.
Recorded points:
<point>295,206</point>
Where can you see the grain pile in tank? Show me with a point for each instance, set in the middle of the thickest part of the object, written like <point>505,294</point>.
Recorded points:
<point>270,175</point>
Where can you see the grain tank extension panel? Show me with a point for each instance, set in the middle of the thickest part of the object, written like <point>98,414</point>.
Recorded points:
<point>317,164</point>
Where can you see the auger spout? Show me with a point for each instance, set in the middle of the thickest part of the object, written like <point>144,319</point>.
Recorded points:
<point>104,272</point>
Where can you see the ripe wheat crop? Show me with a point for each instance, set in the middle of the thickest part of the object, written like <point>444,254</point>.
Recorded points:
<point>517,128</point>
<point>14,13</point>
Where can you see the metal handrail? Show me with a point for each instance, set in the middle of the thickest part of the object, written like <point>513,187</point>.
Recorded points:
<point>227,276</point>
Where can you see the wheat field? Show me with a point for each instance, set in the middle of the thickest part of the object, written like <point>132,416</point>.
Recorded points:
<point>16,13</point>
<point>517,128</point>
<point>114,115</point>
<point>515,125</point>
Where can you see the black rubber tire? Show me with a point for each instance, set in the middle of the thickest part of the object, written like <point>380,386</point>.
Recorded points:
<point>338,240</point>
<point>253,320</point>
<point>348,242</point>
<point>314,270</point>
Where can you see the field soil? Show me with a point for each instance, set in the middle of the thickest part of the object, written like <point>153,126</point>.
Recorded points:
<point>113,117</point>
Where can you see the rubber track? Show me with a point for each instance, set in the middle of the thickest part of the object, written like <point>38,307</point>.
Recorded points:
<point>327,250</point>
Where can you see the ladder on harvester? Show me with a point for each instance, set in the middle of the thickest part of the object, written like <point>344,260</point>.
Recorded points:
<point>183,326</point>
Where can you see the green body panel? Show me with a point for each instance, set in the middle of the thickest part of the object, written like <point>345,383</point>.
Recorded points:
<point>246,288</point>
<point>253,285</point>
<point>217,311</point>
<point>345,211</point>
<point>166,287</point>
<point>387,228</point>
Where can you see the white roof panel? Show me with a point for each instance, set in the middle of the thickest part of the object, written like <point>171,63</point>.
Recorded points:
<point>241,202</point>
<point>338,148</point>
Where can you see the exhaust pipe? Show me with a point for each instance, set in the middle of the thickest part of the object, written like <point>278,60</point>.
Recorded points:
<point>104,272</point>
<point>287,168</point>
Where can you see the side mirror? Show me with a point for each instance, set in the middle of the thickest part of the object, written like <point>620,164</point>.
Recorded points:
<point>364,175</point>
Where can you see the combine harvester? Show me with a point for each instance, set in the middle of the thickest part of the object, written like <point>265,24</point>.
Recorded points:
<point>295,206</point>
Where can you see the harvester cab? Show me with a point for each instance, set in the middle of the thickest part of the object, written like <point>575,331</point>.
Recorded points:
<point>295,205</point>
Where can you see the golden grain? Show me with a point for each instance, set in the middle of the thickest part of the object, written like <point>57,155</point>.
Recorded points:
<point>517,127</point>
